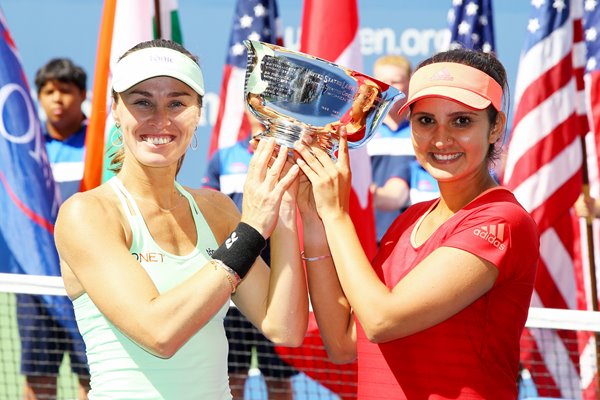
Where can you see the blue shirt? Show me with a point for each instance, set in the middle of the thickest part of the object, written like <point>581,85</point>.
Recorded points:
<point>391,154</point>
<point>66,158</point>
<point>423,186</point>
<point>227,171</point>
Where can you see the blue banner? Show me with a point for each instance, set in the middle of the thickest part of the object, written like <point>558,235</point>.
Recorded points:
<point>28,199</point>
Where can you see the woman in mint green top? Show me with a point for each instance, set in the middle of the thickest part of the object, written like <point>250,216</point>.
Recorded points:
<point>151,266</point>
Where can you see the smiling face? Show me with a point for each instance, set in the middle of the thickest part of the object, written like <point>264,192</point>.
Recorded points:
<point>451,140</point>
<point>158,117</point>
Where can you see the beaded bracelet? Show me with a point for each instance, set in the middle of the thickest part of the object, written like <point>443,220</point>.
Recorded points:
<point>316,258</point>
<point>233,281</point>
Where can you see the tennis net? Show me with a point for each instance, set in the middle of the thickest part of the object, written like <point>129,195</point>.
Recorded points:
<point>551,335</point>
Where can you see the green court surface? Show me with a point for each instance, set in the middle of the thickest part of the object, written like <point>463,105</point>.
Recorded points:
<point>11,381</point>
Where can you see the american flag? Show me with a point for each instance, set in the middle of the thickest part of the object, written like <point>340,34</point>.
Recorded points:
<point>591,26</point>
<point>255,20</point>
<point>471,25</point>
<point>544,170</point>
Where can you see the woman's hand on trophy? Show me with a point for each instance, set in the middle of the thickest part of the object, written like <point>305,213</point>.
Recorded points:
<point>330,180</point>
<point>268,180</point>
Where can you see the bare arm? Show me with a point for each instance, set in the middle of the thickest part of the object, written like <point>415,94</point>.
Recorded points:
<point>421,299</point>
<point>392,196</point>
<point>275,300</point>
<point>331,308</point>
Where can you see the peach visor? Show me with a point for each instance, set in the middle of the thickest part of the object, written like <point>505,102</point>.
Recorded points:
<point>456,82</point>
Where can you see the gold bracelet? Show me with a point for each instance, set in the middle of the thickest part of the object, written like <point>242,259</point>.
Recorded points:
<point>316,258</point>
<point>228,272</point>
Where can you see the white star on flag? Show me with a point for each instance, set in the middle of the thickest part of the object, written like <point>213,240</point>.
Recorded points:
<point>238,49</point>
<point>537,3</point>
<point>533,25</point>
<point>254,36</point>
<point>260,11</point>
<point>472,8</point>
<point>559,5</point>
<point>246,21</point>
<point>464,28</point>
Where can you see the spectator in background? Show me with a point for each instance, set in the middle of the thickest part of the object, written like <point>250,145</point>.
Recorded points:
<point>61,90</point>
<point>398,178</point>
<point>391,149</point>
<point>226,172</point>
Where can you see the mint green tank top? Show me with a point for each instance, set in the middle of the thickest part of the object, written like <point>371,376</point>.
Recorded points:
<point>119,367</point>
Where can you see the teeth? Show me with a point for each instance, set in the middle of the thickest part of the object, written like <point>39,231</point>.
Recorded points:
<point>158,140</point>
<point>446,157</point>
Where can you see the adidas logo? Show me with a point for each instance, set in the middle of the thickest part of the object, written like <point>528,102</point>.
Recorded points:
<point>493,234</point>
<point>442,75</point>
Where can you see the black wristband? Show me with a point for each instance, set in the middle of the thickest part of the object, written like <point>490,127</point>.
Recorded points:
<point>241,249</point>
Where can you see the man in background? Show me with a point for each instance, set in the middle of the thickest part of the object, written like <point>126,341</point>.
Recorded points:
<point>391,150</point>
<point>61,89</point>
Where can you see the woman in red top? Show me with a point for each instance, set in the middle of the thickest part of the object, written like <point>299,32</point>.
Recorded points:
<point>439,311</point>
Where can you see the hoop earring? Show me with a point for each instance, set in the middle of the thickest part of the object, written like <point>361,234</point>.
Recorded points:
<point>116,139</point>
<point>194,142</point>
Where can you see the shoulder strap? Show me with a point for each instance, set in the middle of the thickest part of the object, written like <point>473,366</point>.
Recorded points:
<point>205,234</point>
<point>131,210</point>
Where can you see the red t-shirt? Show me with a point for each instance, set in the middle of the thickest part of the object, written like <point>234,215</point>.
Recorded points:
<point>475,353</point>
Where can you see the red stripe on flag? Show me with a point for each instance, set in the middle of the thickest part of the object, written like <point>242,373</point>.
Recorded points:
<point>318,17</point>
<point>214,138</point>
<point>543,87</point>
<point>545,214</point>
<point>545,150</point>
<point>38,219</point>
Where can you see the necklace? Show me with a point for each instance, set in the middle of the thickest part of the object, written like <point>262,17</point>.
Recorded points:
<point>164,210</point>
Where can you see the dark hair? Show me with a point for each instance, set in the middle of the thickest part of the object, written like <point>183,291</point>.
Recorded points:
<point>487,63</point>
<point>62,70</point>
<point>116,155</point>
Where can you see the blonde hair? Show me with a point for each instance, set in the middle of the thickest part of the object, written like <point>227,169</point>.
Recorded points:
<point>395,60</point>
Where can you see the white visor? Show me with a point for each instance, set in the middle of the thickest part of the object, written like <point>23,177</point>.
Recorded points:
<point>156,61</point>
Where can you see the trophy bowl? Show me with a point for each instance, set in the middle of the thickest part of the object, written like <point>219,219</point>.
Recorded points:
<point>296,95</point>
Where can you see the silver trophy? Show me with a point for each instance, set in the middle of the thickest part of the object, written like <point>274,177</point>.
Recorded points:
<point>297,95</point>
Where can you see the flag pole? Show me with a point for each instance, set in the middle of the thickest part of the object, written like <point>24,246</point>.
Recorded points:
<point>94,140</point>
<point>157,18</point>
<point>590,247</point>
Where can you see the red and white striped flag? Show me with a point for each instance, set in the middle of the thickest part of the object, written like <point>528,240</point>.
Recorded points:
<point>341,45</point>
<point>124,24</point>
<point>255,20</point>
<point>544,170</point>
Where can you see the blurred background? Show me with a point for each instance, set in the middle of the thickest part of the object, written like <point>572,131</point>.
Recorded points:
<point>43,29</point>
